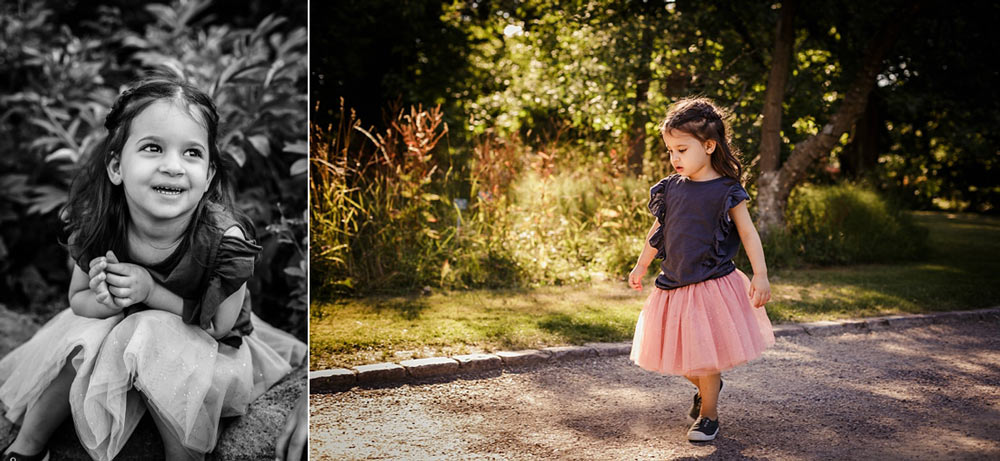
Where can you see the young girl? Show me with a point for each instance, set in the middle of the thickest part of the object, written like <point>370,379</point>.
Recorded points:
<point>159,313</point>
<point>704,316</point>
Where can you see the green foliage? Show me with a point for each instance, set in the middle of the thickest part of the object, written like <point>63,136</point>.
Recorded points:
<point>62,83</point>
<point>850,224</point>
<point>513,216</point>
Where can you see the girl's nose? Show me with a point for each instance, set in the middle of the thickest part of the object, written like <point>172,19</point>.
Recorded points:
<point>171,165</point>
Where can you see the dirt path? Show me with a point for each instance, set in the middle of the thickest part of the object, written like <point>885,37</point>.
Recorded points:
<point>921,393</point>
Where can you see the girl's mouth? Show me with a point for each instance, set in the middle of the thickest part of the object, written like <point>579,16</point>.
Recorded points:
<point>168,190</point>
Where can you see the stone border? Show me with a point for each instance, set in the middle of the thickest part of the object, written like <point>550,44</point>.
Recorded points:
<point>339,379</point>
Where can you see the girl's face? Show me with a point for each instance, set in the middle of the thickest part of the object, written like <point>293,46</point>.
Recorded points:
<point>689,156</point>
<point>163,165</point>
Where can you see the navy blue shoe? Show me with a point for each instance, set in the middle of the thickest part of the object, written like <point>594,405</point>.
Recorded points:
<point>703,430</point>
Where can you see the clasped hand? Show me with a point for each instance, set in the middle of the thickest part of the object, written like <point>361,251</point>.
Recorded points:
<point>119,285</point>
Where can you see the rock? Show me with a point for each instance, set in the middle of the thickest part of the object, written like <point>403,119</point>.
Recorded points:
<point>380,372</point>
<point>611,349</point>
<point>570,352</point>
<point>331,380</point>
<point>823,327</point>
<point>434,366</point>
<point>522,358</point>
<point>478,362</point>
<point>787,330</point>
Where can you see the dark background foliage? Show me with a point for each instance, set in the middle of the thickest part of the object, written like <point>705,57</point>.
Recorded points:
<point>546,100</point>
<point>63,65</point>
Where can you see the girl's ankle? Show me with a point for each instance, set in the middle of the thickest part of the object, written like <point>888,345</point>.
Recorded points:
<point>25,446</point>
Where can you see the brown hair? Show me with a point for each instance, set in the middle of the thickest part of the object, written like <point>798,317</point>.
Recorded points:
<point>701,118</point>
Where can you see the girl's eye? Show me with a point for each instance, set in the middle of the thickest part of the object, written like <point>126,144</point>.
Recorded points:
<point>194,152</point>
<point>150,148</point>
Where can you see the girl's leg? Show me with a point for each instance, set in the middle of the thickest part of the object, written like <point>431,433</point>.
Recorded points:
<point>51,409</point>
<point>693,379</point>
<point>709,390</point>
<point>172,446</point>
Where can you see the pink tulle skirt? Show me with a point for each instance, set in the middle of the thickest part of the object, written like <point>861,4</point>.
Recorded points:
<point>701,329</point>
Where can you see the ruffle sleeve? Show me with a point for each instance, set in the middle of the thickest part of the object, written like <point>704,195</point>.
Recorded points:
<point>657,194</point>
<point>656,199</point>
<point>231,267</point>
<point>724,226</point>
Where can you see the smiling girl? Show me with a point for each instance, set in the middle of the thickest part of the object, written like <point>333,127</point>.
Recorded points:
<point>159,313</point>
<point>704,315</point>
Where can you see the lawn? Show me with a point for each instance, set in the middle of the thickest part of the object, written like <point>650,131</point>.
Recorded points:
<point>961,271</point>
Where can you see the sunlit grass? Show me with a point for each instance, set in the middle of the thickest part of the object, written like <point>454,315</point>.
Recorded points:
<point>960,272</point>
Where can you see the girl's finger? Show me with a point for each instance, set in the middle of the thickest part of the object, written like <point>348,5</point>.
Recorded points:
<point>119,292</point>
<point>124,302</point>
<point>95,261</point>
<point>118,268</point>
<point>94,283</point>
<point>117,280</point>
<point>96,268</point>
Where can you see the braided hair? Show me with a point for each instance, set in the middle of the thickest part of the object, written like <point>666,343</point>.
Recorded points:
<point>96,214</point>
<point>701,118</point>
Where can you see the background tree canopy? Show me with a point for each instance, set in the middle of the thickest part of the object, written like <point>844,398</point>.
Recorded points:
<point>64,63</point>
<point>534,167</point>
<point>578,68</point>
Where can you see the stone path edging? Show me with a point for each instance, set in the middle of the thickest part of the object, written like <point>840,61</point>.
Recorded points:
<point>339,379</point>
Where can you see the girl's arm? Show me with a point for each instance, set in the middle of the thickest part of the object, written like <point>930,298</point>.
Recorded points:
<point>83,293</point>
<point>132,284</point>
<point>646,257</point>
<point>161,298</point>
<point>760,288</point>
<point>229,310</point>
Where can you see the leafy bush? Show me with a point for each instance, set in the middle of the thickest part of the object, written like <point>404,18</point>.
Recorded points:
<point>60,86</point>
<point>391,214</point>
<point>848,224</point>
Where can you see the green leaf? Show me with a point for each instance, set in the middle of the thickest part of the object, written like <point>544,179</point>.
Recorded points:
<point>301,166</point>
<point>298,147</point>
<point>261,144</point>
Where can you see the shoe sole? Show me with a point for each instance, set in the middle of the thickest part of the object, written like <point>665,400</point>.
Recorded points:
<point>700,437</point>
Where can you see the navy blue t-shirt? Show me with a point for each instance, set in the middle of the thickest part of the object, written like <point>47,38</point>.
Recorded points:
<point>696,239</point>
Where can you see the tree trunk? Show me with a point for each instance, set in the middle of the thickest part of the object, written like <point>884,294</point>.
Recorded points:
<point>775,186</point>
<point>770,142</point>
<point>769,208</point>
<point>861,155</point>
<point>643,74</point>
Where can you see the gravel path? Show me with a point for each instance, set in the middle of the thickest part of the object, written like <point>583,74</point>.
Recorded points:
<point>927,392</point>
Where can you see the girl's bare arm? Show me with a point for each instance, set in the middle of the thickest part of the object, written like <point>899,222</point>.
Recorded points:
<point>760,287</point>
<point>646,257</point>
<point>748,235</point>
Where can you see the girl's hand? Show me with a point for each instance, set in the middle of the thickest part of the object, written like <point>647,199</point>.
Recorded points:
<point>128,283</point>
<point>635,277</point>
<point>760,290</point>
<point>99,284</point>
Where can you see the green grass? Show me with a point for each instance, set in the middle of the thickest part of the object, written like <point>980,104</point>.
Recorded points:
<point>961,271</point>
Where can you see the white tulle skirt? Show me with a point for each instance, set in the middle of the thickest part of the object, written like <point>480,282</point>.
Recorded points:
<point>150,359</point>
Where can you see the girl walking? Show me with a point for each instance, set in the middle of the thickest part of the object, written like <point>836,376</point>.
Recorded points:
<point>159,314</point>
<point>704,315</point>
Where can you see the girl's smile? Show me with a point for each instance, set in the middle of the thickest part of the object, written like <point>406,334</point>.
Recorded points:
<point>164,164</point>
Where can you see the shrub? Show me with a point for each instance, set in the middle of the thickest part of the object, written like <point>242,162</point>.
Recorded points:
<point>848,224</point>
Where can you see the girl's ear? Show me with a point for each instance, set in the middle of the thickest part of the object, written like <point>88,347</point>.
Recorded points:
<point>709,146</point>
<point>115,169</point>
